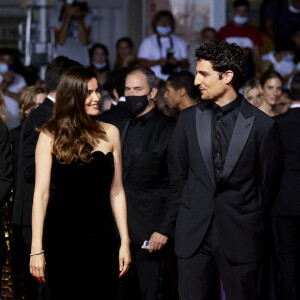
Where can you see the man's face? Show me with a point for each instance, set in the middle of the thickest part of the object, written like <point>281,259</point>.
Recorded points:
<point>7,60</point>
<point>211,86</point>
<point>172,96</point>
<point>283,104</point>
<point>241,11</point>
<point>136,85</point>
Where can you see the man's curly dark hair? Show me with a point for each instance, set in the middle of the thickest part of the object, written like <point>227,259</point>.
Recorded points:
<point>223,57</point>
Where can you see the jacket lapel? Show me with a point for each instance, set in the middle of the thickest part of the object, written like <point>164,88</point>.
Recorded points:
<point>203,128</point>
<point>239,138</point>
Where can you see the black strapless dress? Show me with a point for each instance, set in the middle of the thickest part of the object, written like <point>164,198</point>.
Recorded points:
<point>80,240</point>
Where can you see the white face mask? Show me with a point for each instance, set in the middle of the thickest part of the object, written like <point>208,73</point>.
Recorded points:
<point>240,20</point>
<point>3,68</point>
<point>293,9</point>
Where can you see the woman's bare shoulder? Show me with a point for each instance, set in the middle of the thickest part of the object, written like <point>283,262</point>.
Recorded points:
<point>111,130</point>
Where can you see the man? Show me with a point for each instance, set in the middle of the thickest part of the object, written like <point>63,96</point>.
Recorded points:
<point>227,156</point>
<point>180,90</point>
<point>284,102</point>
<point>163,51</point>
<point>118,111</point>
<point>286,209</point>
<point>148,189</point>
<point>28,140</point>
<point>247,36</point>
<point>10,84</point>
<point>282,58</point>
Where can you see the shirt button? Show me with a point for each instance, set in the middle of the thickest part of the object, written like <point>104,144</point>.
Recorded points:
<point>218,137</point>
<point>219,121</point>
<point>218,154</point>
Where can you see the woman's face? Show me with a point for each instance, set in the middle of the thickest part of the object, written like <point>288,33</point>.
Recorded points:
<point>124,49</point>
<point>254,96</point>
<point>272,90</point>
<point>93,98</point>
<point>99,56</point>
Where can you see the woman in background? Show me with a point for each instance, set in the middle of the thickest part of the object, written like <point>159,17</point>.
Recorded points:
<point>100,63</point>
<point>252,92</point>
<point>271,83</point>
<point>78,240</point>
<point>125,54</point>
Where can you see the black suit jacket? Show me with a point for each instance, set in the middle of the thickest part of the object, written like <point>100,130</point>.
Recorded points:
<point>6,165</point>
<point>148,188</point>
<point>116,114</point>
<point>26,165</point>
<point>288,200</point>
<point>247,184</point>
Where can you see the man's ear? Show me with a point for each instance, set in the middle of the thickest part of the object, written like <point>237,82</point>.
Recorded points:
<point>153,93</point>
<point>228,76</point>
<point>181,92</point>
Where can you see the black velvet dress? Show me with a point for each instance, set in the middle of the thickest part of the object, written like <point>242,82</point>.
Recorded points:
<point>80,240</point>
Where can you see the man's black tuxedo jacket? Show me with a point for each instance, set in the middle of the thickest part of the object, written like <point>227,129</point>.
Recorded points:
<point>148,188</point>
<point>288,201</point>
<point>6,165</point>
<point>247,183</point>
<point>26,168</point>
<point>116,114</point>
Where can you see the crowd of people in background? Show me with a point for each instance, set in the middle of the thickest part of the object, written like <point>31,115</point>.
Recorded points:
<point>163,67</point>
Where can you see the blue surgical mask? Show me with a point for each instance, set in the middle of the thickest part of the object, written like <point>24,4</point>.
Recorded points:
<point>294,10</point>
<point>240,20</point>
<point>100,66</point>
<point>163,30</point>
<point>3,68</point>
<point>288,57</point>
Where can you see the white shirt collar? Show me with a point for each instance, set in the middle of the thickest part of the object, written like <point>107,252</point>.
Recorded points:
<point>295,105</point>
<point>51,98</point>
<point>122,99</point>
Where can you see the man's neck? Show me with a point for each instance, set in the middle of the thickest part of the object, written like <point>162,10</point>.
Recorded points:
<point>226,98</point>
<point>186,102</point>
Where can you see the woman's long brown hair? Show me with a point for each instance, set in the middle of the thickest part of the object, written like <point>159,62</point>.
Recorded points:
<point>75,133</point>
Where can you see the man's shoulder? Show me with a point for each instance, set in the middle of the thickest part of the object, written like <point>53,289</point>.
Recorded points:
<point>177,39</point>
<point>38,116</point>
<point>3,131</point>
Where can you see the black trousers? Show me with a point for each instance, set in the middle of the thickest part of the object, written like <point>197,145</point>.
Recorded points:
<point>146,275</point>
<point>286,232</point>
<point>198,275</point>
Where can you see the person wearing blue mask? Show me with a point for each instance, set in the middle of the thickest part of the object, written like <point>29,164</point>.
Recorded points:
<point>239,31</point>
<point>10,84</point>
<point>100,63</point>
<point>163,51</point>
<point>282,57</point>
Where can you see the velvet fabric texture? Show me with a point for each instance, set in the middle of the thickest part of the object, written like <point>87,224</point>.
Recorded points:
<point>80,240</point>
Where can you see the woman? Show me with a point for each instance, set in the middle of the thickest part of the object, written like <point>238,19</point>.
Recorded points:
<point>83,157</point>
<point>252,92</point>
<point>125,54</point>
<point>100,63</point>
<point>271,83</point>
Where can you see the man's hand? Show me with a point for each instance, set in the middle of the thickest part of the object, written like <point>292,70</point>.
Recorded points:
<point>157,241</point>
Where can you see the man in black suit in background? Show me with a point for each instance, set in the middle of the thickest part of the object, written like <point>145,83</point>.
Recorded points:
<point>228,161</point>
<point>28,140</point>
<point>149,192</point>
<point>286,209</point>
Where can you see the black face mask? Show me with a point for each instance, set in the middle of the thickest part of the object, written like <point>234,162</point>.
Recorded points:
<point>136,104</point>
